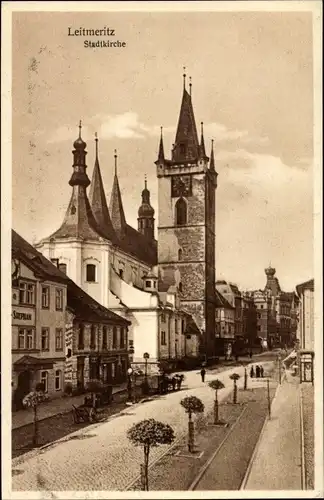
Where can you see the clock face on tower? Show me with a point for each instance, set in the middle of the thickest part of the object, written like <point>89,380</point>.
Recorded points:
<point>181,186</point>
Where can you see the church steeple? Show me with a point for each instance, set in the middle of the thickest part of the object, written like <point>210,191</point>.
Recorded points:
<point>202,150</point>
<point>212,159</point>
<point>116,208</point>
<point>161,147</point>
<point>186,147</point>
<point>98,200</point>
<point>146,214</point>
<point>79,221</point>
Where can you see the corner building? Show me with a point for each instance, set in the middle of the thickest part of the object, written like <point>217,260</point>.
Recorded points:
<point>186,227</point>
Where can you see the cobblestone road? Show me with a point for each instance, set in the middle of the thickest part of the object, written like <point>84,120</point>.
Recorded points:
<point>100,457</point>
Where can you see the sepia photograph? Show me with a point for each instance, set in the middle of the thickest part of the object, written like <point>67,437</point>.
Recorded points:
<point>161,217</point>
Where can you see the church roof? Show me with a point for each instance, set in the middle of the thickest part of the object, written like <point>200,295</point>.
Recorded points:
<point>98,201</point>
<point>116,205</point>
<point>79,221</point>
<point>186,145</point>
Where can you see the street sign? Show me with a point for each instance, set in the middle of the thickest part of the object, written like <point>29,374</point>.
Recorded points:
<point>146,355</point>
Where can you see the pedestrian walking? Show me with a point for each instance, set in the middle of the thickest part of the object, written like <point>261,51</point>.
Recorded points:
<point>257,371</point>
<point>252,372</point>
<point>250,354</point>
<point>203,373</point>
<point>261,371</point>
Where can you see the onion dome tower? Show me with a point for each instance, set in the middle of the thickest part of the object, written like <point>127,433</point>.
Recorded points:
<point>146,214</point>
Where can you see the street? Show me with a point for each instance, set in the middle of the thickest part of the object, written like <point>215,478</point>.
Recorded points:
<point>100,457</point>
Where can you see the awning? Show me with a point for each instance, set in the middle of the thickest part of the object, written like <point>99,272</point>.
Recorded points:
<point>32,363</point>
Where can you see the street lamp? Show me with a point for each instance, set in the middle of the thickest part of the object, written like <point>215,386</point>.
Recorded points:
<point>146,357</point>
<point>129,383</point>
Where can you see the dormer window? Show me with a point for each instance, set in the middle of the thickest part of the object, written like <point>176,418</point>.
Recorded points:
<point>91,273</point>
<point>147,284</point>
<point>182,149</point>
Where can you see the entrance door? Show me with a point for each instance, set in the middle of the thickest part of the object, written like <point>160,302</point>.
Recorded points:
<point>80,373</point>
<point>23,387</point>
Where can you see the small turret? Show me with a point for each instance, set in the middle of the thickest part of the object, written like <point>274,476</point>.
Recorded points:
<point>146,214</point>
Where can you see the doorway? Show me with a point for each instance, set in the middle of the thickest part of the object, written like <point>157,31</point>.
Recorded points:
<point>80,373</point>
<point>23,388</point>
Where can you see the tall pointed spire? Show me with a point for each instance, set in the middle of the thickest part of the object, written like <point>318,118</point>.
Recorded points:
<point>186,146</point>
<point>161,147</point>
<point>116,208</point>
<point>98,201</point>
<point>184,77</point>
<point>212,158</point>
<point>202,142</point>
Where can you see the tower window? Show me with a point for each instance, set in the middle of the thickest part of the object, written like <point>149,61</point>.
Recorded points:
<point>91,273</point>
<point>179,254</point>
<point>121,273</point>
<point>180,287</point>
<point>182,149</point>
<point>147,284</point>
<point>181,212</point>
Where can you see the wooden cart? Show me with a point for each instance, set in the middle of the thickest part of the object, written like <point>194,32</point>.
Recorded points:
<point>84,414</point>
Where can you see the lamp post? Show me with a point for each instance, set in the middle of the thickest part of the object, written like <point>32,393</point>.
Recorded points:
<point>129,384</point>
<point>146,357</point>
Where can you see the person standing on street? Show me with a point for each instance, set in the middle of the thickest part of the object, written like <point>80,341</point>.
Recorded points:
<point>252,372</point>
<point>203,373</point>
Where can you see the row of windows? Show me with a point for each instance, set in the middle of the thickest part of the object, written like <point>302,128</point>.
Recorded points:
<point>27,296</point>
<point>27,339</point>
<point>58,380</point>
<point>94,337</point>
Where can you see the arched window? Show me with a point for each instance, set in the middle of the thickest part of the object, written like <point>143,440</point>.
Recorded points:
<point>179,254</point>
<point>91,273</point>
<point>181,212</point>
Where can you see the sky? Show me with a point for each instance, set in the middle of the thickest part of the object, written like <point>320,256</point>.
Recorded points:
<point>252,86</point>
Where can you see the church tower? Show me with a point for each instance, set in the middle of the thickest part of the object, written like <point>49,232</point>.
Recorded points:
<point>186,228</point>
<point>146,215</point>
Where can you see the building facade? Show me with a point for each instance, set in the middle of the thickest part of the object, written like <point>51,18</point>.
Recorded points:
<point>249,320</point>
<point>186,227</point>
<point>233,295</point>
<point>39,296</point>
<point>305,329</point>
<point>96,342</point>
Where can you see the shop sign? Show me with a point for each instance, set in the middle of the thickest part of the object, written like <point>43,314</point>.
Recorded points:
<point>23,316</point>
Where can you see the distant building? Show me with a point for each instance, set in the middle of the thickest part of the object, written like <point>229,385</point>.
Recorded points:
<point>249,320</point>
<point>276,312</point>
<point>305,329</point>
<point>225,326</point>
<point>233,295</point>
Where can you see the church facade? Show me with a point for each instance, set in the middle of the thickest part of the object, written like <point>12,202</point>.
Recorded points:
<point>164,287</point>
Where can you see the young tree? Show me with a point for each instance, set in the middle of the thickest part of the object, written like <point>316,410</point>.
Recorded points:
<point>216,385</point>
<point>32,400</point>
<point>192,405</point>
<point>234,377</point>
<point>149,433</point>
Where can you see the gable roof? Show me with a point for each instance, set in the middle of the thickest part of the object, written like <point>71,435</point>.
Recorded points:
<point>221,302</point>
<point>307,285</point>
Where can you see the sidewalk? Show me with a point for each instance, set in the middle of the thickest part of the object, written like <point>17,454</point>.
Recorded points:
<point>277,462</point>
<point>53,407</point>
